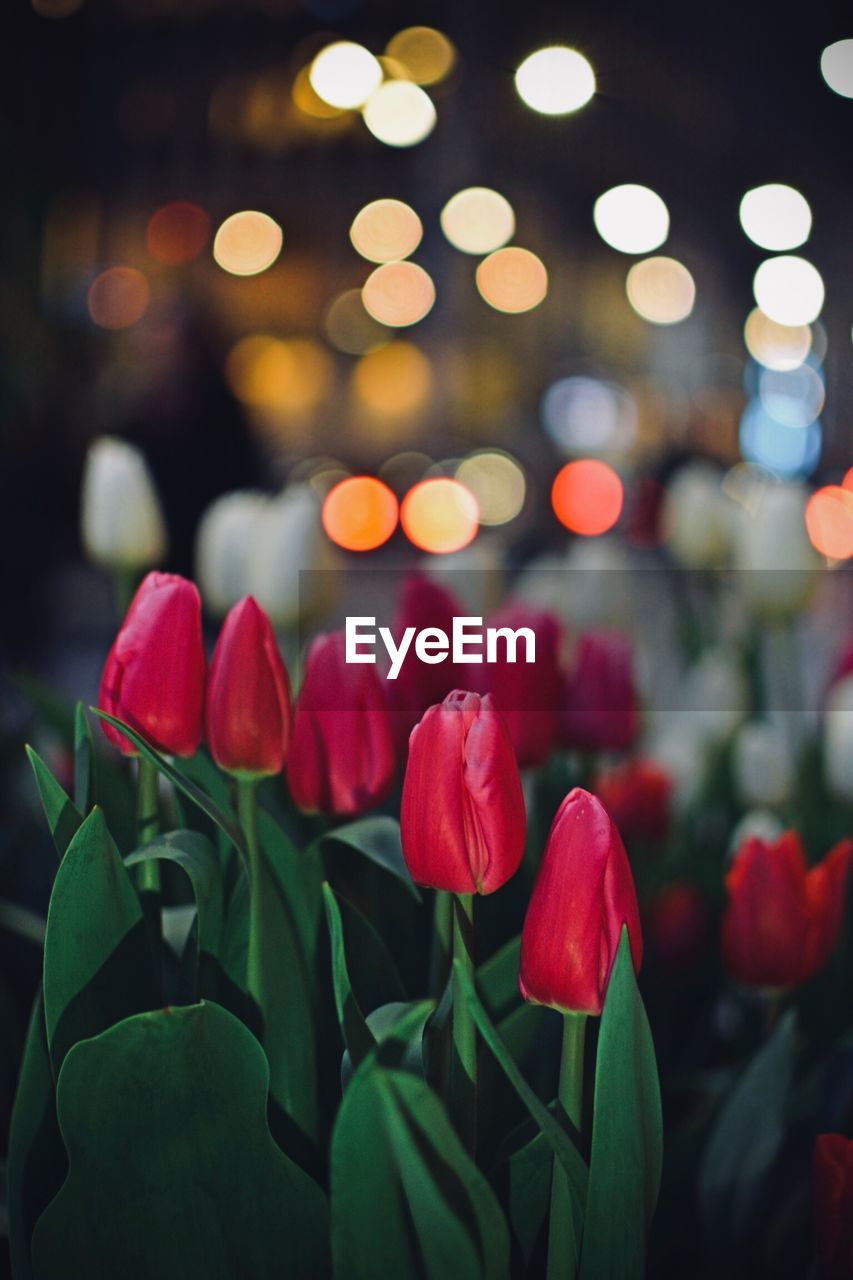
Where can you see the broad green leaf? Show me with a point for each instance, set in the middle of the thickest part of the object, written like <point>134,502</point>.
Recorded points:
<point>84,761</point>
<point>746,1138</point>
<point>63,816</point>
<point>627,1139</point>
<point>97,958</point>
<point>497,980</point>
<point>372,970</point>
<point>398,1029</point>
<point>354,1029</point>
<point>172,1169</point>
<point>378,838</point>
<point>529,1192</point>
<point>300,876</point>
<point>407,1201</point>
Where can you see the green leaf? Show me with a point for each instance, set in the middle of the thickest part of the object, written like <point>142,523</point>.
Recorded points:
<point>746,1138</point>
<point>627,1139</point>
<point>398,1029</point>
<point>180,780</point>
<point>354,1029</point>
<point>97,958</point>
<point>63,816</point>
<point>84,761</point>
<point>300,876</point>
<point>20,920</point>
<point>378,838</point>
<point>497,980</point>
<point>529,1192</point>
<point>407,1201</point>
<point>172,1169</point>
<point>556,1137</point>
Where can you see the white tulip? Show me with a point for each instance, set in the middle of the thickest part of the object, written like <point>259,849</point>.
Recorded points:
<point>838,740</point>
<point>696,517</point>
<point>762,765</point>
<point>225,540</point>
<point>715,695</point>
<point>758,823</point>
<point>680,750</point>
<point>772,549</point>
<point>596,589</point>
<point>121,522</point>
<point>290,539</point>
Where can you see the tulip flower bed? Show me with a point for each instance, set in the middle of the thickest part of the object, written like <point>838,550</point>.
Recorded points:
<point>347,984</point>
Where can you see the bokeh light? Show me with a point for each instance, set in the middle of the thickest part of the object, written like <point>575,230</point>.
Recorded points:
<point>776,346</point>
<point>247,243</point>
<point>587,496</point>
<point>177,232</point>
<point>426,54</point>
<point>56,8</point>
<point>386,231</point>
<point>118,297</point>
<point>836,66</point>
<point>289,376</point>
<point>400,114</point>
<point>555,81</point>
<point>398,294</point>
<point>512,280</point>
<point>497,482</point>
<point>847,482</point>
<point>786,451</point>
<point>360,513</point>
<point>789,290</point>
<point>792,397</point>
<point>661,290</point>
<point>349,328</point>
<point>440,515</point>
<point>393,382</point>
<point>345,74</point>
<point>776,216</point>
<point>631,218</point>
<point>586,415</point>
<point>478,220</point>
<point>308,101</point>
<point>829,521</point>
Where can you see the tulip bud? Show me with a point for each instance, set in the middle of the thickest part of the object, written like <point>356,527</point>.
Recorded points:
<point>527,694</point>
<point>289,539</point>
<point>637,796</point>
<point>226,536</point>
<point>762,765</point>
<point>423,603</point>
<point>121,522</point>
<point>341,757</point>
<point>154,675</point>
<point>583,895</point>
<point>247,717</point>
<point>773,550</point>
<point>838,740</point>
<point>599,699</point>
<point>832,1191</point>
<point>696,517</point>
<point>462,814</point>
<point>677,924</point>
<point>782,920</point>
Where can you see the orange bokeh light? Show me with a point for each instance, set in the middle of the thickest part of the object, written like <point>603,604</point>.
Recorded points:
<point>829,521</point>
<point>440,515</point>
<point>360,513</point>
<point>587,496</point>
<point>512,280</point>
<point>847,482</point>
<point>177,232</point>
<point>118,297</point>
<point>398,294</point>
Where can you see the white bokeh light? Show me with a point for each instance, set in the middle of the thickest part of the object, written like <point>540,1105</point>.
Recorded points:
<point>836,67</point>
<point>631,218</point>
<point>400,114</point>
<point>555,81</point>
<point>345,74</point>
<point>478,220</point>
<point>776,216</point>
<point>789,290</point>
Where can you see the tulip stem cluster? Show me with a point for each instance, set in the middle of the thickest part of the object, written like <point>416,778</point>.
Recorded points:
<point>442,942</point>
<point>148,872</point>
<point>247,808</point>
<point>561,1247</point>
<point>463,1070</point>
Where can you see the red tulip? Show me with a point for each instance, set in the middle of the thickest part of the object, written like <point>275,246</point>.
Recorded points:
<point>600,702</point>
<point>782,919</point>
<point>247,717</point>
<point>637,796</point>
<point>832,1188</point>
<point>154,674</point>
<point>583,895</point>
<point>528,693</point>
<point>462,814</point>
<point>423,603</point>
<point>677,924</point>
<point>341,757</point>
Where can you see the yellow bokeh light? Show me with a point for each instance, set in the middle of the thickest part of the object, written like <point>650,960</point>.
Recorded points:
<point>661,290</point>
<point>440,515</point>
<point>776,216</point>
<point>555,81</point>
<point>309,102</point>
<point>386,231</point>
<point>512,280</point>
<point>497,482</point>
<point>393,382</point>
<point>427,55</point>
<point>118,297</point>
<point>349,328</point>
<point>345,74</point>
<point>398,294</point>
<point>288,376</point>
<point>776,346</point>
<point>478,220</point>
<point>400,114</point>
<point>631,218</point>
<point>789,290</point>
<point>247,243</point>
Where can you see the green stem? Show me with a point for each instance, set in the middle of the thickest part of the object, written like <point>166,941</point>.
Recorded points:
<point>442,943</point>
<point>148,872</point>
<point>463,1068</point>
<point>562,1246</point>
<point>247,808</point>
<point>124,582</point>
